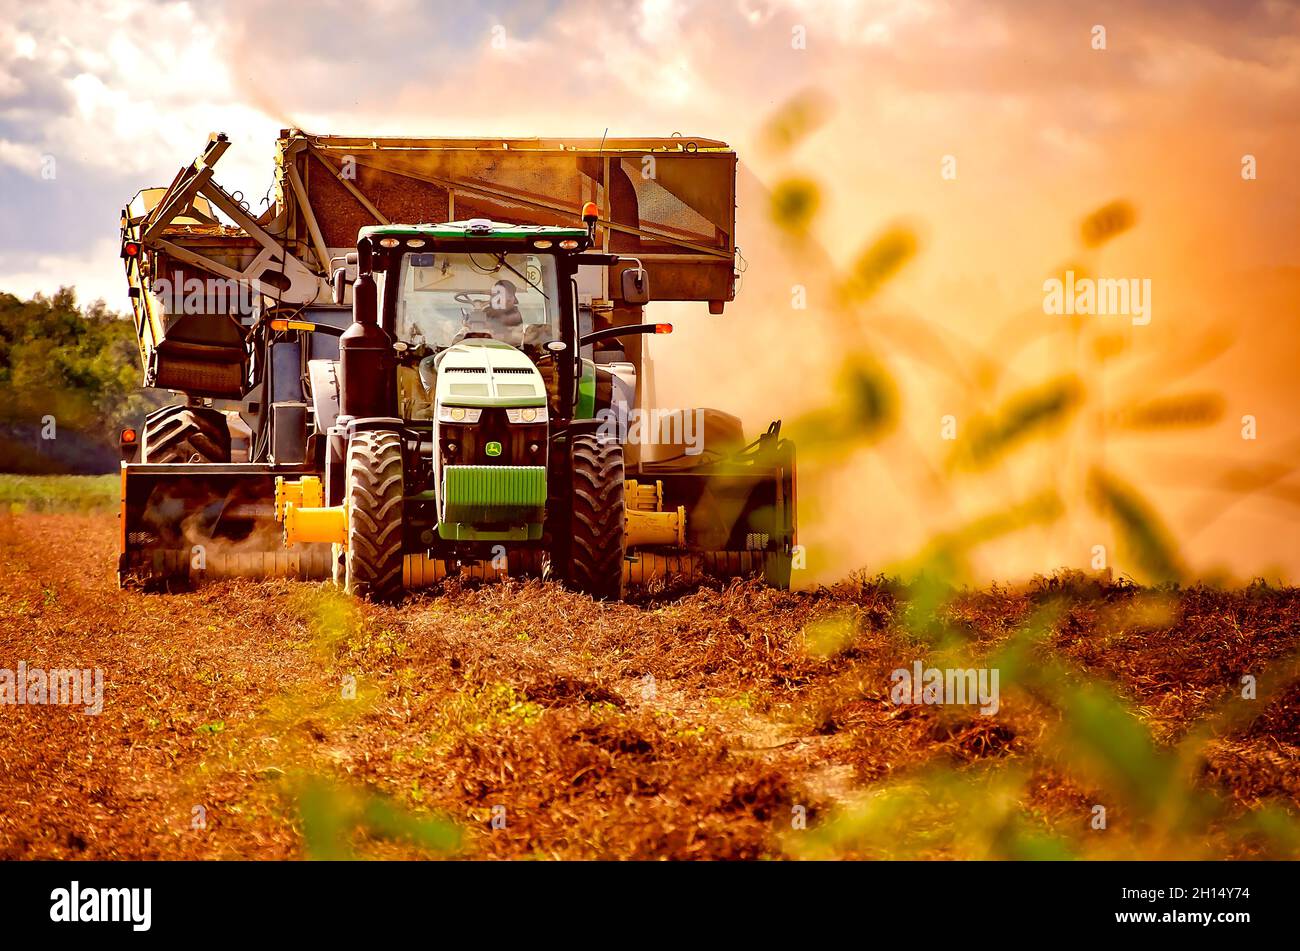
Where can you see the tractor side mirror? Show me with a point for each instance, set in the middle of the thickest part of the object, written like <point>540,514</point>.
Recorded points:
<point>344,274</point>
<point>636,285</point>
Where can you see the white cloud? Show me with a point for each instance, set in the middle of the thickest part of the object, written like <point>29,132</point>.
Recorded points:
<point>22,157</point>
<point>24,45</point>
<point>96,273</point>
<point>660,20</point>
<point>145,82</point>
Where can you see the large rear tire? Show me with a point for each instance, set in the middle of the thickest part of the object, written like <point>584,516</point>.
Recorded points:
<point>186,434</point>
<point>596,540</point>
<point>373,562</point>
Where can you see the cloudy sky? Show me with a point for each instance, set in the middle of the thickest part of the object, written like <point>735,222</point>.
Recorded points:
<point>1042,126</point>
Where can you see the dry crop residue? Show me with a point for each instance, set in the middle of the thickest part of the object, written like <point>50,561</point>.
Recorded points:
<point>697,724</point>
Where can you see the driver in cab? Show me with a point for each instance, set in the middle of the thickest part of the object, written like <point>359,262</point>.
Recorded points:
<point>500,317</point>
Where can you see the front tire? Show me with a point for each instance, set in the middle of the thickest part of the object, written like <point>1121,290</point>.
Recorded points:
<point>372,564</point>
<point>597,544</point>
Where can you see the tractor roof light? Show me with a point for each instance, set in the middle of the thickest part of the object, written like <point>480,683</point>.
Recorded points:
<point>569,244</point>
<point>590,215</point>
<point>543,243</point>
<point>388,242</point>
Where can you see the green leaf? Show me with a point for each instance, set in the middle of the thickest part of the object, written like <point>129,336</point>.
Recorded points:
<point>1030,412</point>
<point>1141,532</point>
<point>794,203</point>
<point>1107,222</point>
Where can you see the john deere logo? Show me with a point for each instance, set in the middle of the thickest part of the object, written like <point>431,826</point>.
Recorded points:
<point>493,448</point>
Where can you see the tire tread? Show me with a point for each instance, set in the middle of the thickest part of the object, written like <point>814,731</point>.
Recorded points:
<point>373,568</point>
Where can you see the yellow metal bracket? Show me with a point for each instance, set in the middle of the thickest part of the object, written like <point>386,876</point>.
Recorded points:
<point>645,522</point>
<point>315,525</point>
<point>301,506</point>
<point>307,492</point>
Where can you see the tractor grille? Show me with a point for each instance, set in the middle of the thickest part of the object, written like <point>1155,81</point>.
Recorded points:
<point>480,495</point>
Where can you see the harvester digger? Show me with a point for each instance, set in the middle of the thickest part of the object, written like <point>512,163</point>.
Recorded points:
<point>420,361</point>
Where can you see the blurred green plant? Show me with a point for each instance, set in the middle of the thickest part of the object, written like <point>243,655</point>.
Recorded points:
<point>334,817</point>
<point>1031,412</point>
<point>1167,412</point>
<point>795,202</point>
<point>935,814</point>
<point>794,120</point>
<point>880,261</point>
<point>1141,533</point>
<point>1157,805</point>
<point>1107,222</point>
<point>864,407</point>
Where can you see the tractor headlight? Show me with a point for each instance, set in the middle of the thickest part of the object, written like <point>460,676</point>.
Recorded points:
<point>527,414</point>
<point>459,414</point>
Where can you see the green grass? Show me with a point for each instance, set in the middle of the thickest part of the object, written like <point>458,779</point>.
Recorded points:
<point>59,493</point>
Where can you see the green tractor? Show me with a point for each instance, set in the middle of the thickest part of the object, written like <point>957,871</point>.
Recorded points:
<point>470,425</point>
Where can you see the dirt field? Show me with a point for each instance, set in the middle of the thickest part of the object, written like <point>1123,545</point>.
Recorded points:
<point>278,720</point>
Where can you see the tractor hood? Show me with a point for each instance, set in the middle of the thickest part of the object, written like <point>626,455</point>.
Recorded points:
<point>487,373</point>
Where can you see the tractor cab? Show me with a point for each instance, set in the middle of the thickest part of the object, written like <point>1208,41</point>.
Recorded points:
<point>439,286</point>
<point>446,292</point>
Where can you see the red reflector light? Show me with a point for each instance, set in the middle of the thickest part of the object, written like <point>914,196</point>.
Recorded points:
<point>128,435</point>
<point>663,328</point>
<point>131,249</point>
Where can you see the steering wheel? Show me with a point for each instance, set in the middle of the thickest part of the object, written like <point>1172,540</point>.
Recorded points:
<point>479,300</point>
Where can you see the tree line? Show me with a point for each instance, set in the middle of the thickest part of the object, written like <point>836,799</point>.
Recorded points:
<point>69,383</point>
